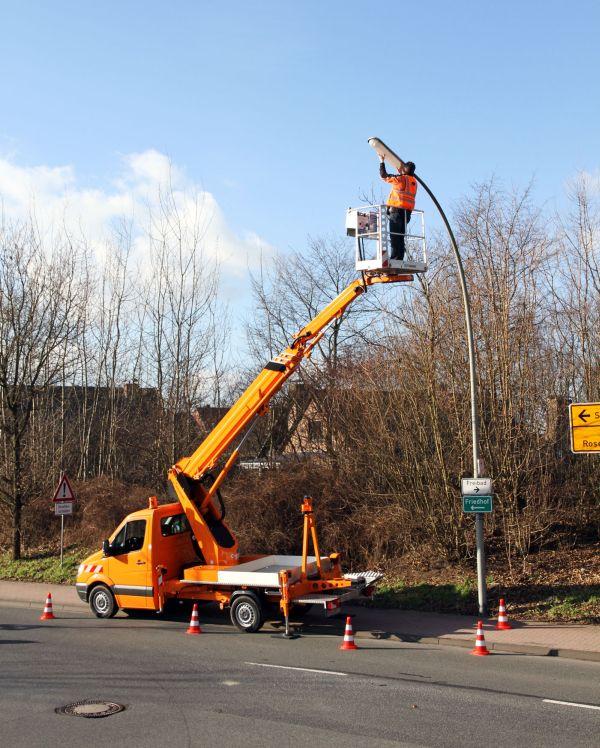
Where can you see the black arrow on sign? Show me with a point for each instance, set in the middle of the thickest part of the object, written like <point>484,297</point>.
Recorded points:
<point>584,416</point>
<point>476,489</point>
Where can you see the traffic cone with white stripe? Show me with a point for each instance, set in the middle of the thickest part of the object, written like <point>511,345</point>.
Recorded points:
<point>348,642</point>
<point>48,615</point>
<point>503,623</point>
<point>480,648</point>
<point>194,627</point>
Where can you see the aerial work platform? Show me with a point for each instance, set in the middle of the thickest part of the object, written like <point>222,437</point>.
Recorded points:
<point>370,228</point>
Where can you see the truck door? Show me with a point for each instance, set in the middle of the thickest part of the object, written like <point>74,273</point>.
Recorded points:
<point>129,566</point>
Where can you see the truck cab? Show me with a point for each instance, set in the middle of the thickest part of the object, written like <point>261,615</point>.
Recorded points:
<point>148,548</point>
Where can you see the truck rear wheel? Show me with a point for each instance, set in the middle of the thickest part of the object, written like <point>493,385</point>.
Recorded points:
<point>246,614</point>
<point>102,602</point>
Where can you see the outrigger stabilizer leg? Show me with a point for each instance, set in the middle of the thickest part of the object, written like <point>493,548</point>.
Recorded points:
<point>288,633</point>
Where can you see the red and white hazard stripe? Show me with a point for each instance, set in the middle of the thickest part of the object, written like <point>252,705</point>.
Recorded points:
<point>48,615</point>
<point>160,589</point>
<point>480,648</point>
<point>92,568</point>
<point>348,642</point>
<point>503,623</point>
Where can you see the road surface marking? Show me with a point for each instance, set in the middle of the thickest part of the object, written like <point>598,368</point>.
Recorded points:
<point>571,703</point>
<point>289,667</point>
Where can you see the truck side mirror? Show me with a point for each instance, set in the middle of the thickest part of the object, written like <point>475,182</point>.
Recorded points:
<point>106,548</point>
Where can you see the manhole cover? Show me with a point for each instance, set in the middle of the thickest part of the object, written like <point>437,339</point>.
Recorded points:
<point>90,709</point>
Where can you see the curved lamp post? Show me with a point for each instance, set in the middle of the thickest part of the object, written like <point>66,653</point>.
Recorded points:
<point>481,585</point>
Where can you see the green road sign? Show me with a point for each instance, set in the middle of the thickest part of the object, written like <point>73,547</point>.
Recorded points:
<point>477,504</point>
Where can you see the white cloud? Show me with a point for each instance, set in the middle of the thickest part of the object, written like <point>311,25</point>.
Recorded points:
<point>147,181</point>
<point>152,166</point>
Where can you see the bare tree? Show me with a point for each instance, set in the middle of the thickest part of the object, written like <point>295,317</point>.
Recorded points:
<point>40,314</point>
<point>290,293</point>
<point>577,290</point>
<point>185,323</point>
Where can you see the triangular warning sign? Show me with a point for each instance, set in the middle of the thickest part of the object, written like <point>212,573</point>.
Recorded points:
<point>64,492</point>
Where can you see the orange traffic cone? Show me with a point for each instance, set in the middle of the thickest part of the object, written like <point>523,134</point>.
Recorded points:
<point>194,627</point>
<point>480,648</point>
<point>503,623</point>
<point>48,615</point>
<point>348,642</point>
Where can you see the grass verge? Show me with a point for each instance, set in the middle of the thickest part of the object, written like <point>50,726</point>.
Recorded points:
<point>458,598</point>
<point>42,567</point>
<point>565,603</point>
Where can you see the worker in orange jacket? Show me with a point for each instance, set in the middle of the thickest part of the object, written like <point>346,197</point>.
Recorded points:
<point>400,204</point>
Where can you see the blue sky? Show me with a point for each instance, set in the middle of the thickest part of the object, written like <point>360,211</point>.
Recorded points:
<point>268,105</point>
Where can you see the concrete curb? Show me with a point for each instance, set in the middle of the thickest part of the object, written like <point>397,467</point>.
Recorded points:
<point>36,604</point>
<point>508,648</point>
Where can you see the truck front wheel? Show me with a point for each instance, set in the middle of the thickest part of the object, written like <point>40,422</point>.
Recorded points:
<point>102,602</point>
<point>246,614</point>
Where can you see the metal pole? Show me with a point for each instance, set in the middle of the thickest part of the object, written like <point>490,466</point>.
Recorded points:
<point>62,533</point>
<point>481,584</point>
<point>377,144</point>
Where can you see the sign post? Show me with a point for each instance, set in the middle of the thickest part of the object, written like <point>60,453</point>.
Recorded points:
<point>477,496</point>
<point>476,486</point>
<point>477,504</point>
<point>584,422</point>
<point>63,505</point>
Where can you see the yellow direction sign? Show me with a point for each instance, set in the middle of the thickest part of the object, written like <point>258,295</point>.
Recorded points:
<point>584,420</point>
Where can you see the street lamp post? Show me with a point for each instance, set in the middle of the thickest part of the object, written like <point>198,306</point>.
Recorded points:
<point>481,586</point>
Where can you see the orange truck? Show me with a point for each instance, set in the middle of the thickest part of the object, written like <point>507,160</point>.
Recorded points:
<point>184,550</point>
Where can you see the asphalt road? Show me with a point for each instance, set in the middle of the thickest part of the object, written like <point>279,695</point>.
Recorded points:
<point>224,688</point>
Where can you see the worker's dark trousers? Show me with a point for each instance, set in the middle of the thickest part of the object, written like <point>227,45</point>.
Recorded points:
<point>398,218</point>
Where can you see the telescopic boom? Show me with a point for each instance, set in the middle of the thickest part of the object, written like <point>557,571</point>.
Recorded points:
<point>191,477</point>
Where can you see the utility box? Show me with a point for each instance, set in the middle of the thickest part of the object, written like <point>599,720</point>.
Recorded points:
<point>356,222</point>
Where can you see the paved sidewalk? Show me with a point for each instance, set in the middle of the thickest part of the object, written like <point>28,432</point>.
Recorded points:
<point>547,639</point>
<point>554,639</point>
<point>33,595</point>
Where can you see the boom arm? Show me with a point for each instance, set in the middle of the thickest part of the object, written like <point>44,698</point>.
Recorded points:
<point>216,541</point>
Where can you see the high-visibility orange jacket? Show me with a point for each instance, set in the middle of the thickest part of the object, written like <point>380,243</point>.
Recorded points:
<point>404,189</point>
